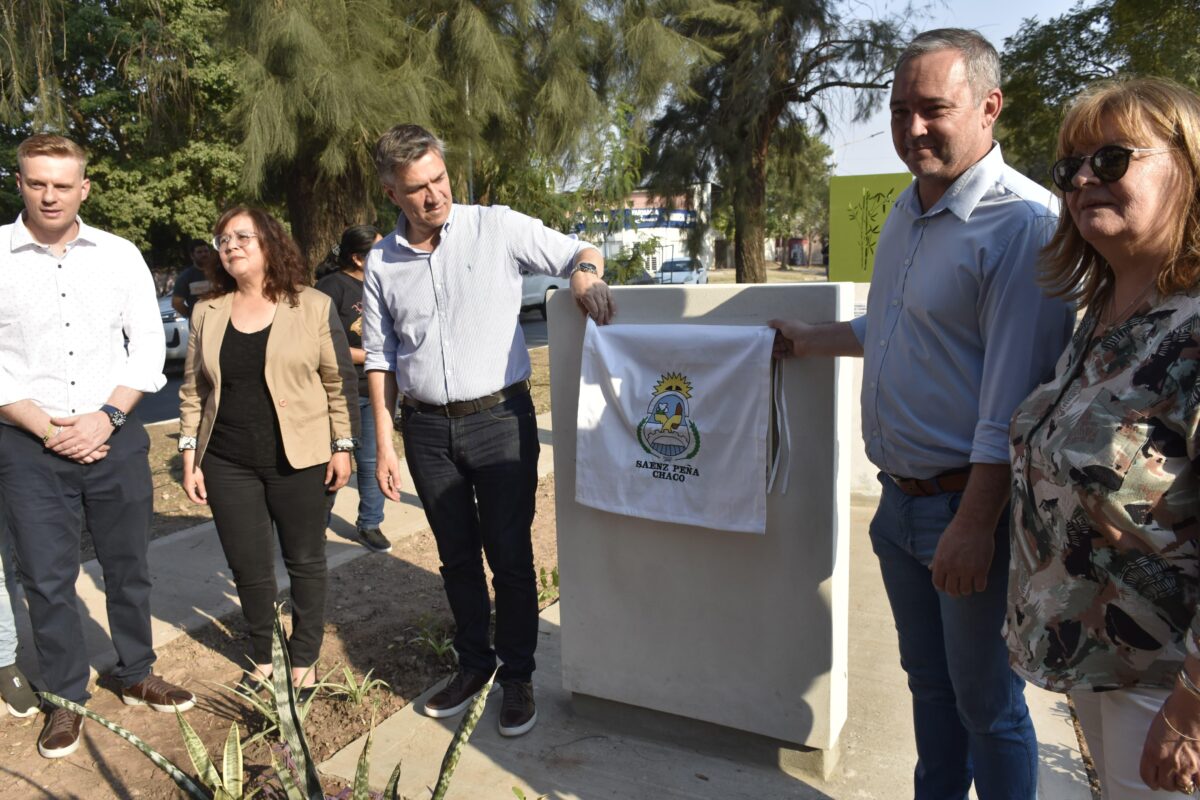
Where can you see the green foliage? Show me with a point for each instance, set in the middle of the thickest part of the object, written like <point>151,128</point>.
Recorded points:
<point>1046,64</point>
<point>629,265</point>
<point>190,105</point>
<point>434,637</point>
<point>354,690</point>
<point>182,779</point>
<point>772,66</point>
<point>142,86</point>
<point>228,784</point>
<point>461,735</point>
<point>548,585</point>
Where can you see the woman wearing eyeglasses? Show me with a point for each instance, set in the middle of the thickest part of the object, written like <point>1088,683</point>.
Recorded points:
<point>266,426</point>
<point>1106,493</point>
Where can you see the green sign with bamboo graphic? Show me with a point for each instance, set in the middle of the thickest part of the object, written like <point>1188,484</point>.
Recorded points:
<point>858,205</point>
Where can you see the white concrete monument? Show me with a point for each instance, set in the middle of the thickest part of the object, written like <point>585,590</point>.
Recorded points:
<point>737,630</point>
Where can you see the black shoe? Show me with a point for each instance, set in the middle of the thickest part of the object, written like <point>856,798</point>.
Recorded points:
<point>456,695</point>
<point>374,539</point>
<point>60,735</point>
<point>14,688</point>
<point>518,714</point>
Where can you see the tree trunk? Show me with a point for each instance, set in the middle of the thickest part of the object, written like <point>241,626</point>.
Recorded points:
<point>320,208</point>
<point>749,210</point>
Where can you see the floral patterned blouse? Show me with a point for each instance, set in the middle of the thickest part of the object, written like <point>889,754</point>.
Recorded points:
<point>1106,506</point>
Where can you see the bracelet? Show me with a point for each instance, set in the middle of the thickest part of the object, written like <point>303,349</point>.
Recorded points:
<point>1178,732</point>
<point>51,431</point>
<point>187,443</point>
<point>343,445</point>
<point>1188,683</point>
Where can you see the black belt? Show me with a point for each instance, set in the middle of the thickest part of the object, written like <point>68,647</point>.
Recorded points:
<point>954,480</point>
<point>464,408</point>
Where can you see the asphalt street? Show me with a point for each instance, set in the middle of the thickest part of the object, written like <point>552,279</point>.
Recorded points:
<point>164,404</point>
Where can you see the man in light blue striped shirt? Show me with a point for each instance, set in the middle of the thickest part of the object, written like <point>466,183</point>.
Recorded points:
<point>441,300</point>
<point>957,333</point>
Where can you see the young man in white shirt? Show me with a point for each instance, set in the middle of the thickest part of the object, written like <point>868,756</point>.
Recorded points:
<point>80,341</point>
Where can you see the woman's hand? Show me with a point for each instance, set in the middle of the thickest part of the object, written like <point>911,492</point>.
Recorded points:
<point>337,474</point>
<point>1170,759</point>
<point>193,479</point>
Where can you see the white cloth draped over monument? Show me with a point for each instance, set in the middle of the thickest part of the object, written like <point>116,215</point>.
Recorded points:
<point>673,423</point>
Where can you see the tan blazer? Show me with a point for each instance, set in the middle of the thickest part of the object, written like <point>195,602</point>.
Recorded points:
<point>310,376</point>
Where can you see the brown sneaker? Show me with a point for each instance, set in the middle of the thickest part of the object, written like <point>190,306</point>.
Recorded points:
<point>518,714</point>
<point>155,692</point>
<point>456,695</point>
<point>60,735</point>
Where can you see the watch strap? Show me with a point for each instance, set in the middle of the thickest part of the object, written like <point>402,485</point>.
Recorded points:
<point>115,415</point>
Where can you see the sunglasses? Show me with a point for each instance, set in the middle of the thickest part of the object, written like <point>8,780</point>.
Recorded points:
<point>1109,164</point>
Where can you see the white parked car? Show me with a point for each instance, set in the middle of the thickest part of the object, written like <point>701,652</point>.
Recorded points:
<point>175,328</point>
<point>536,289</point>
<point>683,270</point>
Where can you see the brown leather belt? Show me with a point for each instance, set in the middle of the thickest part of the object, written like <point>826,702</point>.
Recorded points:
<point>464,408</point>
<point>954,480</point>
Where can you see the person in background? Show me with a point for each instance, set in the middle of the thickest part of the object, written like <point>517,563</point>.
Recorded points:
<point>192,282</point>
<point>956,334</point>
<point>1106,492</point>
<point>344,285</point>
<point>266,427</point>
<point>14,686</point>
<point>81,340</point>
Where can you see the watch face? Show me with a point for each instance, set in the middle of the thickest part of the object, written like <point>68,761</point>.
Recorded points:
<point>115,415</point>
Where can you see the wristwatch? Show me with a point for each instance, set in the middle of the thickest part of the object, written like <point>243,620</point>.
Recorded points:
<point>586,266</point>
<point>116,416</point>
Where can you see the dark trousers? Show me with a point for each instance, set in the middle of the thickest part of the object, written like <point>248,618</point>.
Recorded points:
<point>245,501</point>
<point>477,478</point>
<point>48,501</point>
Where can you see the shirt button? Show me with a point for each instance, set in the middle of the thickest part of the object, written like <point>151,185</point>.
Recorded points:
<point>64,294</point>
<point>872,384</point>
<point>895,302</point>
<point>882,342</point>
<point>73,383</point>
<point>907,261</point>
<point>282,403</point>
<point>70,352</point>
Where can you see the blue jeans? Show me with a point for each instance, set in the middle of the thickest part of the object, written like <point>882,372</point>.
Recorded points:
<point>477,478</point>
<point>969,708</point>
<point>370,498</point>
<point>8,626</point>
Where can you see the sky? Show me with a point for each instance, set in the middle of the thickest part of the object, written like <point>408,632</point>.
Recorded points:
<point>866,147</point>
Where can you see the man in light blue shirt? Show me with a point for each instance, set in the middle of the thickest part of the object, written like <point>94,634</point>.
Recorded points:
<point>956,334</point>
<point>441,300</point>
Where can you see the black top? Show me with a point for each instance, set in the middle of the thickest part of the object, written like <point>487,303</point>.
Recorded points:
<point>246,431</point>
<point>191,284</point>
<point>347,294</point>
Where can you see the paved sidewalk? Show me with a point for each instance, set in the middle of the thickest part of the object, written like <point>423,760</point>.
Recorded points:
<point>571,757</point>
<point>568,756</point>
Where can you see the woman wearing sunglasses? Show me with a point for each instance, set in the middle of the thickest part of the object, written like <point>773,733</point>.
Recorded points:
<point>1106,492</point>
<point>266,427</point>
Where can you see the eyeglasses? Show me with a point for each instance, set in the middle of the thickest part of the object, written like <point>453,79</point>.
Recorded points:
<point>242,238</point>
<point>1109,164</point>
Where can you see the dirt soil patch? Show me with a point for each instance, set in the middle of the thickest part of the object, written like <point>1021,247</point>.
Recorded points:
<point>386,614</point>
